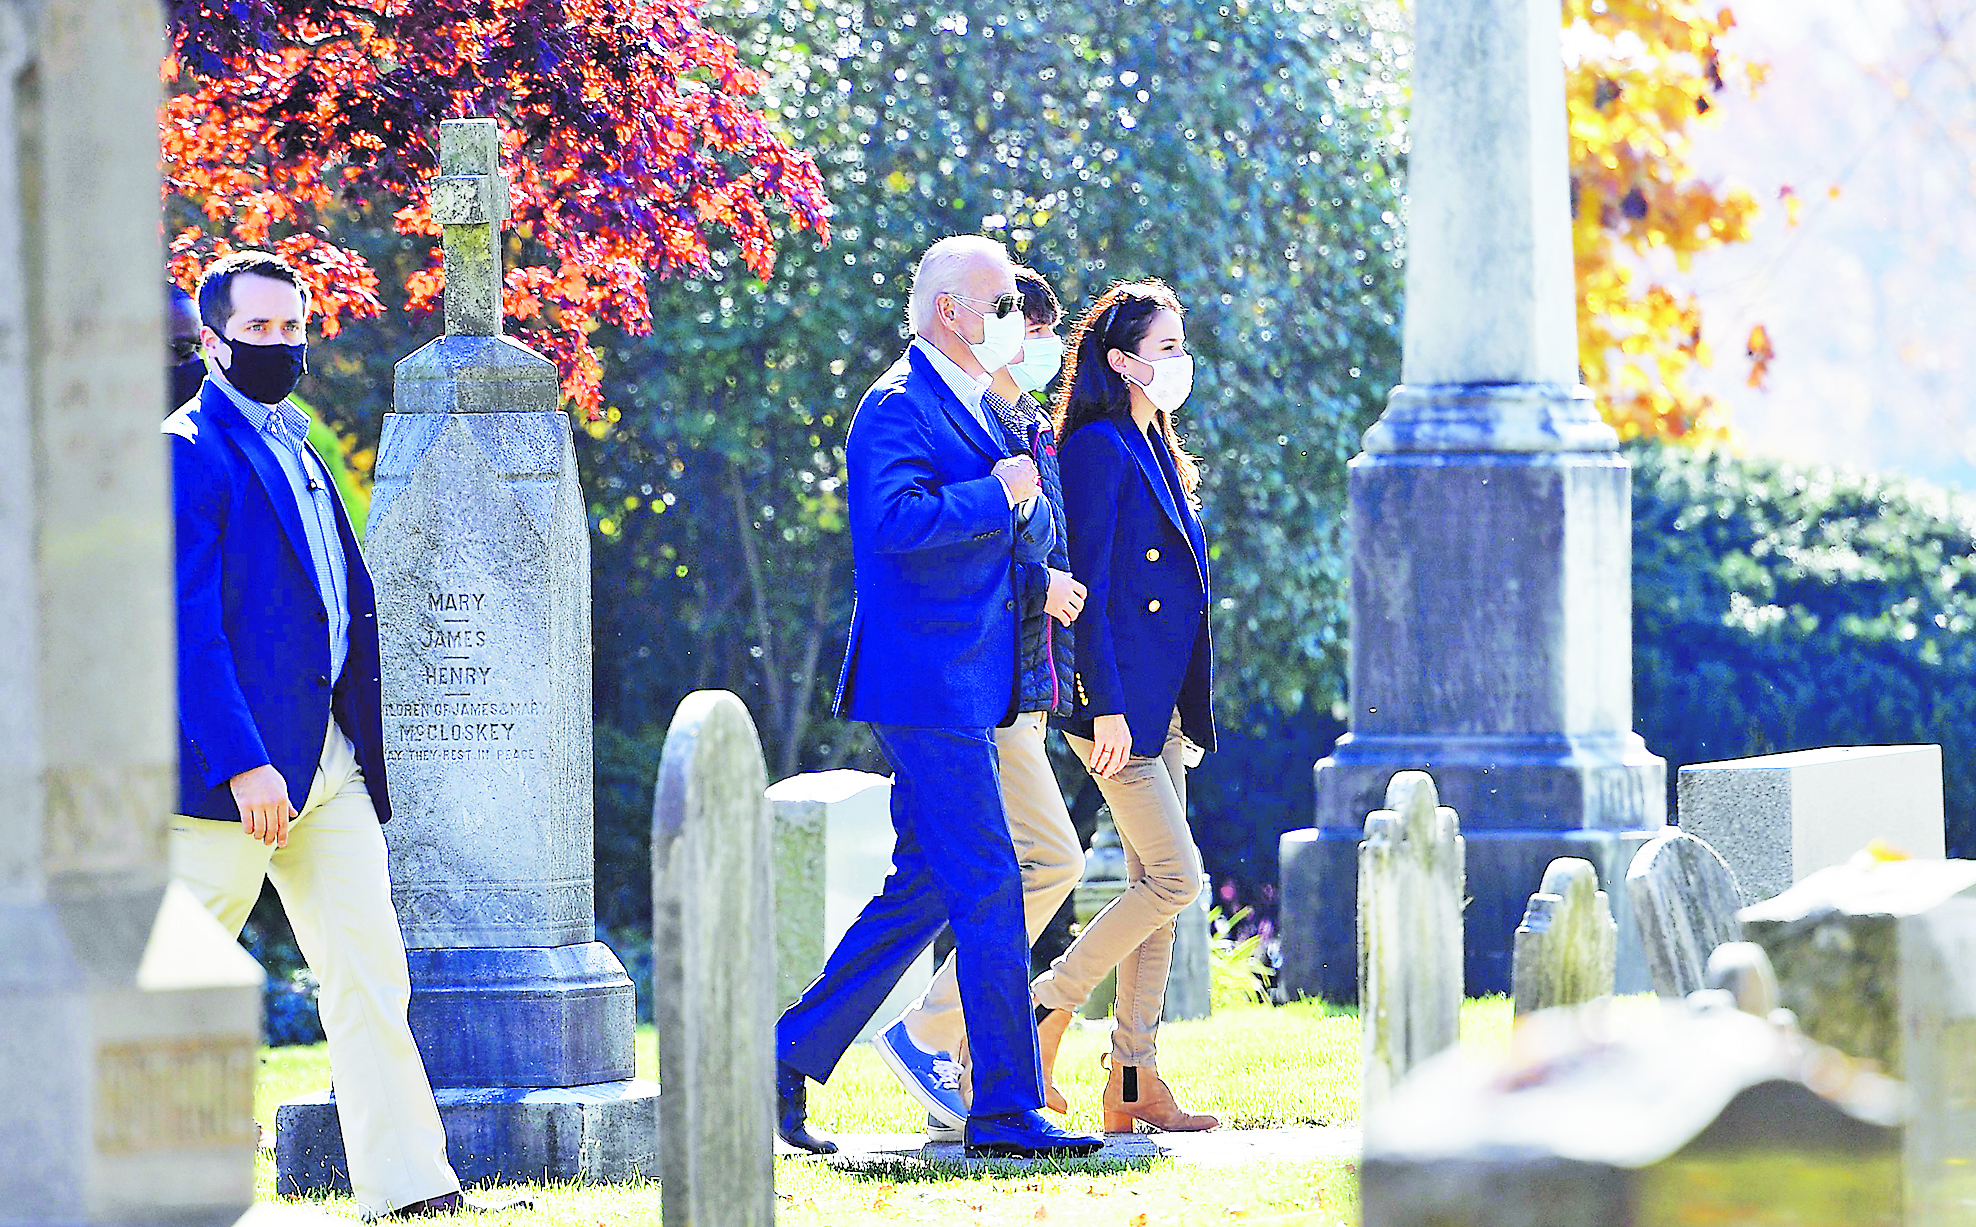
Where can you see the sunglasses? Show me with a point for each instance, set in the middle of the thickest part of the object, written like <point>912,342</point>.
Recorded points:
<point>1003,306</point>
<point>184,349</point>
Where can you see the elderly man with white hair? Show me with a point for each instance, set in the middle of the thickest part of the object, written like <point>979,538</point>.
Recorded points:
<point>939,513</point>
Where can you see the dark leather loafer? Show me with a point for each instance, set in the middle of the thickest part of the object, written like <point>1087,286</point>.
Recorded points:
<point>792,1112</point>
<point>1024,1135</point>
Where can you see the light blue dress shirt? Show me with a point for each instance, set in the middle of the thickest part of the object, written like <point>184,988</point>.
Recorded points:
<point>285,430</point>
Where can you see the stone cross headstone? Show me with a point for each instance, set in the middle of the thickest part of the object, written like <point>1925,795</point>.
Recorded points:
<point>1489,519</point>
<point>1779,818</point>
<point>713,954</point>
<point>1685,900</point>
<point>129,1019</point>
<point>1567,942</point>
<point>1878,960</point>
<point>1680,1117</point>
<point>479,546</point>
<point>1410,892</point>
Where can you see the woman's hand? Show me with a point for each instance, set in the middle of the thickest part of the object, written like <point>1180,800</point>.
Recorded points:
<point>1065,598</point>
<point>1111,745</point>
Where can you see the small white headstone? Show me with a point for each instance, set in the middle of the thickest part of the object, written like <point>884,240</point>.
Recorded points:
<point>854,810</point>
<point>1568,944</point>
<point>1411,881</point>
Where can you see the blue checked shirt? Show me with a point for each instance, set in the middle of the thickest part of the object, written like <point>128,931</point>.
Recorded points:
<point>285,428</point>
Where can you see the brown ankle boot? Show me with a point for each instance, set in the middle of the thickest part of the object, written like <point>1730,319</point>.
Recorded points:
<point>1136,1093</point>
<point>1050,1030</point>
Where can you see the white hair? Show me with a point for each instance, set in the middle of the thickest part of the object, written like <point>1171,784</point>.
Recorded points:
<point>943,270</point>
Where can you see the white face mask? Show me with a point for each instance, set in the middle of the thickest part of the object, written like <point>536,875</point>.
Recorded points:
<point>1001,339</point>
<point>1173,379</point>
<point>1042,358</point>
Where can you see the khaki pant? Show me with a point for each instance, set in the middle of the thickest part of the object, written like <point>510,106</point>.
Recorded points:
<point>1148,800</point>
<point>1046,847</point>
<point>336,890</point>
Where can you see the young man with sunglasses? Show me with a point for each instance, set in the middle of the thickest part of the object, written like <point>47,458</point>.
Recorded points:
<point>939,512</point>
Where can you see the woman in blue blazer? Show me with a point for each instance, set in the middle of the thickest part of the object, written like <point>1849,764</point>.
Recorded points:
<point>1145,663</point>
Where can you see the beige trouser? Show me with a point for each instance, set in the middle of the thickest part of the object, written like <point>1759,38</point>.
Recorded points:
<point>1046,847</point>
<point>336,890</point>
<point>1148,800</point>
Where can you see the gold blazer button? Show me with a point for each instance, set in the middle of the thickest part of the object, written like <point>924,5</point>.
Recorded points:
<point>1152,555</point>
<point>1153,606</point>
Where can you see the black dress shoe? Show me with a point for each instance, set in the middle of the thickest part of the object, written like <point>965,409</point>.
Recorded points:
<point>1024,1135</point>
<point>792,1112</point>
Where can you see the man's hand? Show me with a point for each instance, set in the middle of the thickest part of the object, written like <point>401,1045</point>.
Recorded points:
<point>1111,745</point>
<point>262,796</point>
<point>1065,598</point>
<point>1019,478</point>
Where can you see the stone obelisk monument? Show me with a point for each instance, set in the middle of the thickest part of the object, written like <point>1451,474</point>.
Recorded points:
<point>128,1019</point>
<point>479,543</point>
<point>1490,521</point>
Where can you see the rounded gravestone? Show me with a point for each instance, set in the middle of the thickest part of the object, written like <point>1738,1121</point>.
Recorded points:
<point>1686,898</point>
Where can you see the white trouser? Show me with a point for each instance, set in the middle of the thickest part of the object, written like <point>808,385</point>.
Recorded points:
<point>336,889</point>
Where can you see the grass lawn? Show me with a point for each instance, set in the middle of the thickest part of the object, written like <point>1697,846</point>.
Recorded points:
<point>1254,1066</point>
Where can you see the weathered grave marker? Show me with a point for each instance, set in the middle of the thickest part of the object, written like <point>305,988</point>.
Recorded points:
<point>1685,899</point>
<point>713,954</point>
<point>479,545</point>
<point>1410,929</point>
<point>1684,1118</point>
<point>129,1019</point>
<point>1567,943</point>
<point>1878,960</point>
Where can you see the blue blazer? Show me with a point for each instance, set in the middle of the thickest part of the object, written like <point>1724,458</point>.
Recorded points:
<point>253,644</point>
<point>1143,644</point>
<point>933,549</point>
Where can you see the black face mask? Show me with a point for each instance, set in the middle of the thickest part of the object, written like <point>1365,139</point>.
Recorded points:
<point>266,373</point>
<point>183,382</point>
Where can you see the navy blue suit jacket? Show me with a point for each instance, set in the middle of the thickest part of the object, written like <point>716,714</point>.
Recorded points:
<point>1143,644</point>
<point>933,548</point>
<point>253,640</point>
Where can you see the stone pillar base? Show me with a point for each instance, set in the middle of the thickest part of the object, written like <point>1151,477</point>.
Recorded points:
<point>1550,782</point>
<point>1318,904</point>
<point>524,1016</point>
<point>602,1134</point>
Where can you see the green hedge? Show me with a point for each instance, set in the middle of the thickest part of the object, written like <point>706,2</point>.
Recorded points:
<point>1778,607</point>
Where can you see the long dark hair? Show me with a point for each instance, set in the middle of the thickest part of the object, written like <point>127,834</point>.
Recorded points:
<point>1118,320</point>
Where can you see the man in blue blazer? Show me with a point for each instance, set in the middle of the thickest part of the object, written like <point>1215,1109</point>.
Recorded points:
<point>938,513</point>
<point>281,744</point>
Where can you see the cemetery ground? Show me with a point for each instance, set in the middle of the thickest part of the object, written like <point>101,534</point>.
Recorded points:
<point>1256,1066</point>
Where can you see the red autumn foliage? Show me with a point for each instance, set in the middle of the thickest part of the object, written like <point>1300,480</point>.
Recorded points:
<point>629,129</point>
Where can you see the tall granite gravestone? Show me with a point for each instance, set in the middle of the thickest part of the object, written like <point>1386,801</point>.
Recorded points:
<point>1878,960</point>
<point>479,543</point>
<point>1685,901</point>
<point>1410,896</point>
<point>128,1018</point>
<point>1567,942</point>
<point>1680,1119</point>
<point>1779,818</point>
<point>713,945</point>
<point>1490,520</point>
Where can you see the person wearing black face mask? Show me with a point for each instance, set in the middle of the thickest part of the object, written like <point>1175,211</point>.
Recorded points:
<point>185,366</point>
<point>281,740</point>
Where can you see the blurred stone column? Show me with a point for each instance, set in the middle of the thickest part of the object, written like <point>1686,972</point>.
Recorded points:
<point>479,545</point>
<point>128,1019</point>
<point>1490,519</point>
